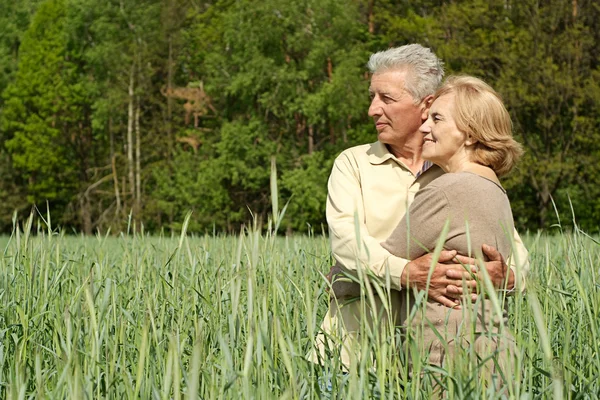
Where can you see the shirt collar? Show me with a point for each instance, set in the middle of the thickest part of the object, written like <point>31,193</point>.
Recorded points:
<point>379,153</point>
<point>426,165</point>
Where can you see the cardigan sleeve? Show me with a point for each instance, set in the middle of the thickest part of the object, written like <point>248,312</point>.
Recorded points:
<point>419,230</point>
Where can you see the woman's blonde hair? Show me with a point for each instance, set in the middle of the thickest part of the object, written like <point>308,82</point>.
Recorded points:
<point>480,113</point>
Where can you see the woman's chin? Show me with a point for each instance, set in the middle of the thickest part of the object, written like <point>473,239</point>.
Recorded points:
<point>428,155</point>
<point>432,159</point>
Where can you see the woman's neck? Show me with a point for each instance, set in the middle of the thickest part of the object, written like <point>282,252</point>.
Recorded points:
<point>478,169</point>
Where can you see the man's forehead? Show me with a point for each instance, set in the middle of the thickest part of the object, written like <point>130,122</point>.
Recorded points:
<point>388,80</point>
<point>397,73</point>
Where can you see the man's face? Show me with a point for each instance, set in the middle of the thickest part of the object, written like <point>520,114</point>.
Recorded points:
<point>397,117</point>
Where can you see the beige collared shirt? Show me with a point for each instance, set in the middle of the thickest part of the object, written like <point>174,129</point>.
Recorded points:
<point>369,185</point>
<point>369,192</point>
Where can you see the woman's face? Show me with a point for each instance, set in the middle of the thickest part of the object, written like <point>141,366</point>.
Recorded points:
<point>444,144</point>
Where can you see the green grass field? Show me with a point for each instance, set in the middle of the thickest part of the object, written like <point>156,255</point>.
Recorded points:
<point>233,317</point>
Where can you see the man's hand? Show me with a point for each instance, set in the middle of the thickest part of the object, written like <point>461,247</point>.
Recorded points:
<point>496,269</point>
<point>332,271</point>
<point>416,272</point>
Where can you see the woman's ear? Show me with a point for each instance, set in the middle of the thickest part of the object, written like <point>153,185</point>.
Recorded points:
<point>470,141</point>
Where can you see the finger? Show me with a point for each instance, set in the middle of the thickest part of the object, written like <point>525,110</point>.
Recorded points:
<point>464,260</point>
<point>471,298</point>
<point>492,253</point>
<point>459,274</point>
<point>445,301</point>
<point>461,287</point>
<point>454,292</point>
<point>446,255</point>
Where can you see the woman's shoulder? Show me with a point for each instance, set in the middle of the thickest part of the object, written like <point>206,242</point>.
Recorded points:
<point>463,180</point>
<point>465,189</point>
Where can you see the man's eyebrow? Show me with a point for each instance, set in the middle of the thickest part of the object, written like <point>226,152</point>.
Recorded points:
<point>381,92</point>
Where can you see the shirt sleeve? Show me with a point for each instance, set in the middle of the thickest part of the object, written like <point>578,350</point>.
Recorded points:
<point>352,245</point>
<point>519,262</point>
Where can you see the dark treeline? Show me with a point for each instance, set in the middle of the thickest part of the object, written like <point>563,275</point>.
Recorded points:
<point>150,108</point>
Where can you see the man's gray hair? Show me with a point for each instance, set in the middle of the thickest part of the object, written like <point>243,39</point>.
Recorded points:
<point>425,69</point>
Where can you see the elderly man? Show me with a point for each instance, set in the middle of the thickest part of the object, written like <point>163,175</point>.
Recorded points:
<point>370,189</point>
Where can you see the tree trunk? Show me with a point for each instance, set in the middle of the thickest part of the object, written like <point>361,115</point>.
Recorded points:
<point>544,198</point>
<point>331,133</point>
<point>130,118</point>
<point>311,139</point>
<point>170,139</point>
<point>116,184</point>
<point>138,190</point>
<point>86,217</point>
<point>542,214</point>
<point>114,166</point>
<point>371,16</point>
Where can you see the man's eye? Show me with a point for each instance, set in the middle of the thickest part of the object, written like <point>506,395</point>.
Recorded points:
<point>387,99</point>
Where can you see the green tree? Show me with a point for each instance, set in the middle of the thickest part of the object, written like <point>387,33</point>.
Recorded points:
<point>47,115</point>
<point>540,57</point>
<point>545,80</point>
<point>127,54</point>
<point>286,79</point>
<point>14,21</point>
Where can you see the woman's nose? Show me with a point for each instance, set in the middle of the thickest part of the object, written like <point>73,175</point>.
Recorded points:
<point>425,128</point>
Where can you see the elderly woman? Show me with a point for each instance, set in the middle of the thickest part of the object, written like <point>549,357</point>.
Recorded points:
<point>468,135</point>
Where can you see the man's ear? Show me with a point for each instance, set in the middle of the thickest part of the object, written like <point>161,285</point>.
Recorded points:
<point>425,106</point>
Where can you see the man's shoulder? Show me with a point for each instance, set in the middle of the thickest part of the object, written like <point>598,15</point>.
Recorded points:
<point>372,152</point>
<point>361,149</point>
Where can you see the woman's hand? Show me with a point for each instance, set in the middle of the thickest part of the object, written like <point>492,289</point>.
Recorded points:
<point>495,267</point>
<point>416,272</point>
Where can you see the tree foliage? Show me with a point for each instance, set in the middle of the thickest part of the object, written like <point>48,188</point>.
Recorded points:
<point>124,109</point>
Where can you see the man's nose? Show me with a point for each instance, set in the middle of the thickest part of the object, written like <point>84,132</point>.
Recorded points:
<point>375,107</point>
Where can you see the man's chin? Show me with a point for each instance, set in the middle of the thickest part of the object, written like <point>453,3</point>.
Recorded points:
<point>385,138</point>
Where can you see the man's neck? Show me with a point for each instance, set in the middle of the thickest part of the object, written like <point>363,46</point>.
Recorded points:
<point>408,155</point>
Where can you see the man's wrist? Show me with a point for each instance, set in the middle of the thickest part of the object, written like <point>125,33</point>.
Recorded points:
<point>410,275</point>
<point>508,284</point>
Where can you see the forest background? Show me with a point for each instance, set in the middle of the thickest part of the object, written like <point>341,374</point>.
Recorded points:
<point>120,111</point>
